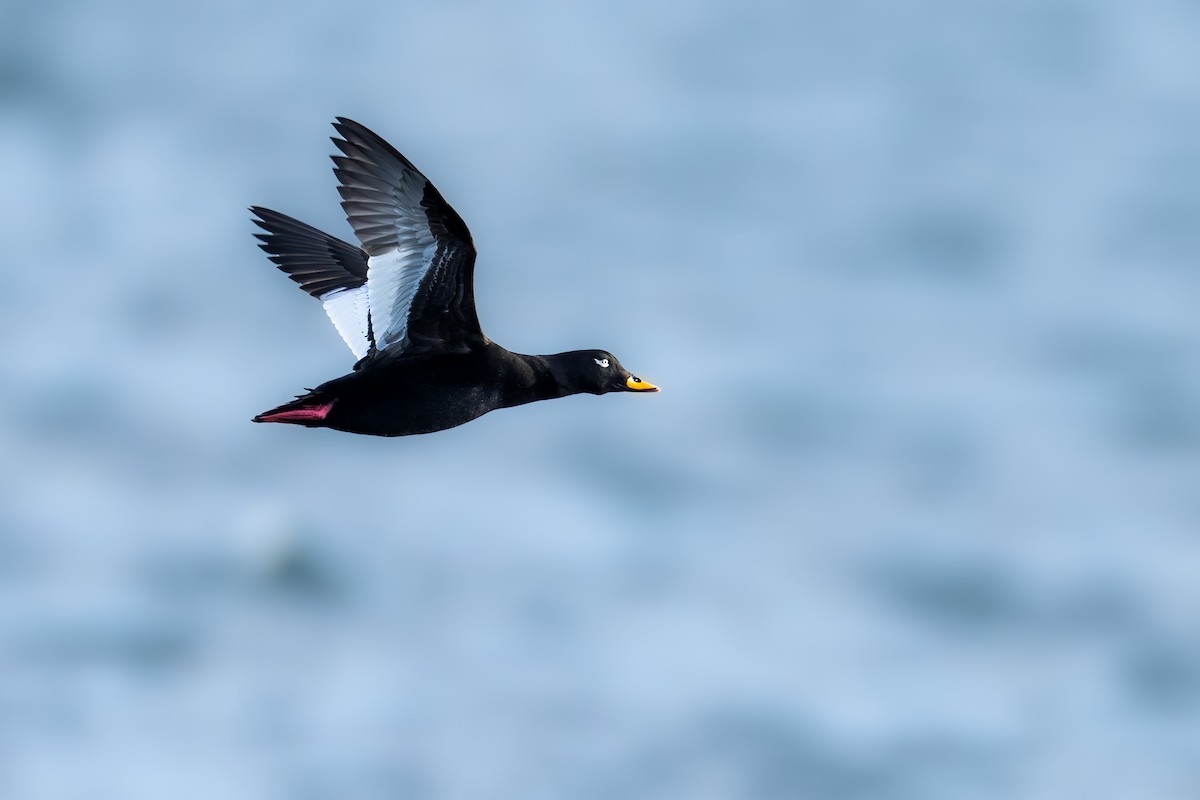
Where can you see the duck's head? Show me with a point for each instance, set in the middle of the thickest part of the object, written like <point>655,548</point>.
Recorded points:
<point>599,372</point>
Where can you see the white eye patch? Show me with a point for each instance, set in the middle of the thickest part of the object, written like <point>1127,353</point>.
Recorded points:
<point>603,362</point>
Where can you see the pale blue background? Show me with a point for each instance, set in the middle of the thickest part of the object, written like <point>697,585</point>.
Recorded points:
<point>916,516</point>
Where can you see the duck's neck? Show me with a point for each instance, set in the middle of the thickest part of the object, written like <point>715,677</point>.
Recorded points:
<point>545,378</point>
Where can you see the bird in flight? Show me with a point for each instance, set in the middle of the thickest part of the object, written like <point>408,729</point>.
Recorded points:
<point>405,304</point>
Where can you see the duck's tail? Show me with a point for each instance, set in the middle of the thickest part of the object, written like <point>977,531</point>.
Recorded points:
<point>309,410</point>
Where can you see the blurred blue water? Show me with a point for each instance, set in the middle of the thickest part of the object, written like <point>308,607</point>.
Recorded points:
<point>916,515</point>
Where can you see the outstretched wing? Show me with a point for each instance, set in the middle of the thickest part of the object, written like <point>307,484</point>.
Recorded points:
<point>421,259</point>
<point>329,269</point>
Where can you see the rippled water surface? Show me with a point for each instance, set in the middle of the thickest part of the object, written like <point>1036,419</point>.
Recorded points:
<point>916,515</point>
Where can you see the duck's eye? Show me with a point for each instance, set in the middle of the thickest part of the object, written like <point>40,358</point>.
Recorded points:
<point>635,378</point>
<point>603,362</point>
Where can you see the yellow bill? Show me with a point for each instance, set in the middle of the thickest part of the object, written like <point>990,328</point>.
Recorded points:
<point>636,384</point>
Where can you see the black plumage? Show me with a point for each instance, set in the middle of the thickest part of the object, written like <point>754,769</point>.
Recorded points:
<point>405,303</point>
<point>317,261</point>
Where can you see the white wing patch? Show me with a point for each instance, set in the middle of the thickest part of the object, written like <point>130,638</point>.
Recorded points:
<point>347,310</point>
<point>393,279</point>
